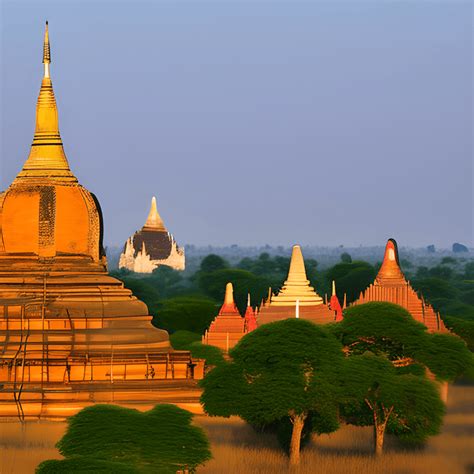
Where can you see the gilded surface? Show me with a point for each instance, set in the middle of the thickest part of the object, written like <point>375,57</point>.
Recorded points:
<point>70,334</point>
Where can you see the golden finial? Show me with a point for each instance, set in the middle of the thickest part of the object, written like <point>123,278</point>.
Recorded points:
<point>46,51</point>
<point>46,159</point>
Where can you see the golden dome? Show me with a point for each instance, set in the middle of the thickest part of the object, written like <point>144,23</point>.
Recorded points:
<point>45,211</point>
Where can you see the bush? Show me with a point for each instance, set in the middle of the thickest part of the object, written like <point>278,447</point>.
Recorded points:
<point>181,340</point>
<point>109,438</point>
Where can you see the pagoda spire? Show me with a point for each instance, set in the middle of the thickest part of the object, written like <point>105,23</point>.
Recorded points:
<point>296,286</point>
<point>154,220</point>
<point>390,269</point>
<point>297,271</point>
<point>47,158</point>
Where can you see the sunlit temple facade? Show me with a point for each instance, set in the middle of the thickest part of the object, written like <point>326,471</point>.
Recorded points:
<point>390,285</point>
<point>70,334</point>
<point>151,247</point>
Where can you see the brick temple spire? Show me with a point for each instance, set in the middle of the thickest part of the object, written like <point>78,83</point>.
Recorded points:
<point>390,285</point>
<point>227,328</point>
<point>334,303</point>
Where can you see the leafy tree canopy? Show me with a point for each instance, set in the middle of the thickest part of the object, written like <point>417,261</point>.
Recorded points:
<point>160,440</point>
<point>406,405</point>
<point>351,278</point>
<point>286,369</point>
<point>213,262</point>
<point>389,330</point>
<point>190,313</point>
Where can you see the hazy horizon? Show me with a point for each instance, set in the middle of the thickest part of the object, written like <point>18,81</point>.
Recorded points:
<point>256,123</point>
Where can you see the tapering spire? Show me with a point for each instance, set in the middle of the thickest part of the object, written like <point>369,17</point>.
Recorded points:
<point>154,221</point>
<point>229,303</point>
<point>390,269</point>
<point>297,285</point>
<point>47,159</point>
<point>297,271</point>
<point>248,300</point>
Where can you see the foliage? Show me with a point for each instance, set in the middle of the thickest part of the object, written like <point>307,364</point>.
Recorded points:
<point>389,330</point>
<point>286,369</point>
<point>213,355</point>
<point>462,328</point>
<point>351,278</point>
<point>182,339</point>
<point>406,405</point>
<point>212,263</point>
<point>346,258</point>
<point>244,282</point>
<point>190,313</point>
<point>160,440</point>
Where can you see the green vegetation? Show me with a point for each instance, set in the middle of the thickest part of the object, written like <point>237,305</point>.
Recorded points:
<point>406,405</point>
<point>108,438</point>
<point>189,302</point>
<point>282,371</point>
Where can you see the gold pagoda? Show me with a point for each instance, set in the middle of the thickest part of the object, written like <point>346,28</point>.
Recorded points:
<point>296,299</point>
<point>70,334</point>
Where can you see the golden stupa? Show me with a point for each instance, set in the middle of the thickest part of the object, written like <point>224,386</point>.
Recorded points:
<point>70,334</point>
<point>296,299</point>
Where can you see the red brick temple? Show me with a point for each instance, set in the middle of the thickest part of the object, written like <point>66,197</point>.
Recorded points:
<point>390,285</point>
<point>250,318</point>
<point>228,326</point>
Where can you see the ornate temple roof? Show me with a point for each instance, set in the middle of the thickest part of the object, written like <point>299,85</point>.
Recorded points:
<point>153,236</point>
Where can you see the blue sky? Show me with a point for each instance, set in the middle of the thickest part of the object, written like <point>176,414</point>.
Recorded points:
<point>256,122</point>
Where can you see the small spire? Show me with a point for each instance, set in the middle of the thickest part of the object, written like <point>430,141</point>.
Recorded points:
<point>248,299</point>
<point>297,309</point>
<point>229,294</point>
<point>390,269</point>
<point>154,220</point>
<point>333,287</point>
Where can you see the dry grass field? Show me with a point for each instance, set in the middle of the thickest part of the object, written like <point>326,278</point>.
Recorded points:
<point>237,449</point>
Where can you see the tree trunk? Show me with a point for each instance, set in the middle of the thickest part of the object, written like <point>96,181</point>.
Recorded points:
<point>379,434</point>
<point>298,424</point>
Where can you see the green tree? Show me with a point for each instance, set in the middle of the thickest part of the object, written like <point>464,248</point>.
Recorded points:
<point>213,285</point>
<point>389,330</point>
<point>287,369</point>
<point>160,440</point>
<point>351,278</point>
<point>213,262</point>
<point>346,258</point>
<point>189,313</point>
<point>406,405</point>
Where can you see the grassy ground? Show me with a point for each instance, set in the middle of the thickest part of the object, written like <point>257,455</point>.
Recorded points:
<point>237,449</point>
